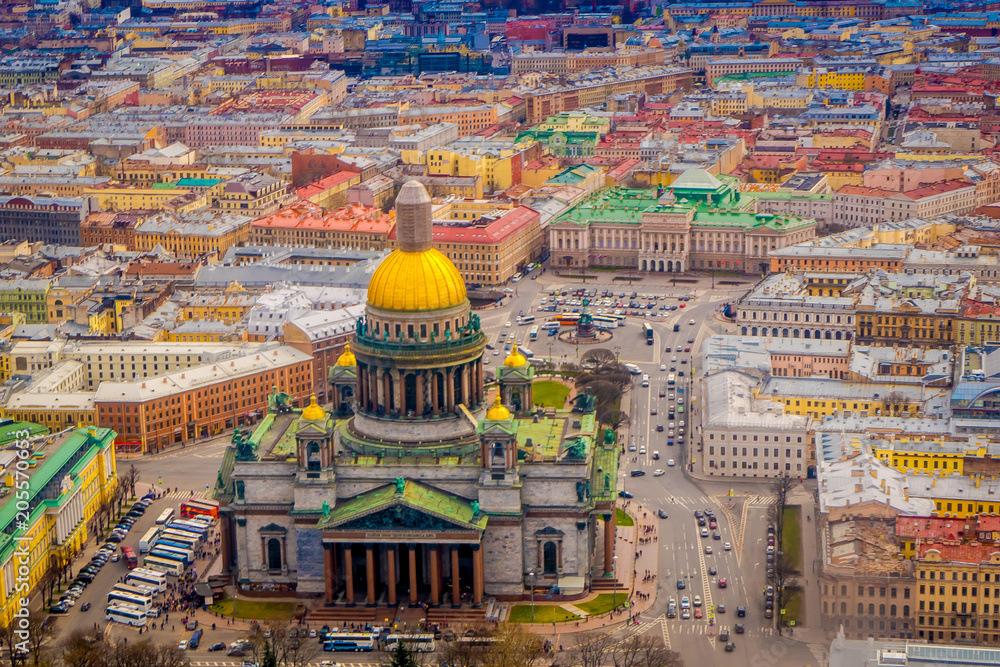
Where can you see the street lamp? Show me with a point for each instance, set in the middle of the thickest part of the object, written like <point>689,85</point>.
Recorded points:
<point>614,574</point>
<point>532,575</point>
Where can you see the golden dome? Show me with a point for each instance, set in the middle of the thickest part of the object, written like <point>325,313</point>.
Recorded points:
<point>498,412</point>
<point>515,358</point>
<point>347,358</point>
<point>424,280</point>
<point>313,412</point>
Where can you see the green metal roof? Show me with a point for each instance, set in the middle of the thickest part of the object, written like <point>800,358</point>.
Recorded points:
<point>696,179</point>
<point>9,428</point>
<point>79,441</point>
<point>198,182</point>
<point>416,495</point>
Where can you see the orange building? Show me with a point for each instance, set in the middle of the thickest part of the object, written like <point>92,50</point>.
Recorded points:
<point>149,414</point>
<point>307,224</point>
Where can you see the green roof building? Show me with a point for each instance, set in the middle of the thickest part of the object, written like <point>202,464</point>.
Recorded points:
<point>701,223</point>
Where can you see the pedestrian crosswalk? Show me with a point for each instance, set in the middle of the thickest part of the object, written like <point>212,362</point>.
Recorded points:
<point>184,494</point>
<point>688,629</point>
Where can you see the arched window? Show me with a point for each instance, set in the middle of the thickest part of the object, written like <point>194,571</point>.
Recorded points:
<point>549,558</point>
<point>861,609</point>
<point>892,610</point>
<point>906,611</point>
<point>843,607</point>
<point>274,554</point>
<point>871,610</point>
<point>881,610</point>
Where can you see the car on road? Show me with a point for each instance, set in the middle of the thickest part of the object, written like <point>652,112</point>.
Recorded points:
<point>727,546</point>
<point>699,513</point>
<point>685,602</point>
<point>708,550</point>
<point>678,348</point>
<point>220,646</point>
<point>687,349</point>
<point>659,428</point>
<point>712,524</point>
<point>60,608</point>
<point>631,446</point>
<point>741,611</point>
<point>739,628</point>
<point>681,586</point>
<point>685,614</point>
<point>624,494</point>
<point>658,472</point>
<point>652,411</point>
<point>637,473</point>
<point>704,532</point>
<point>508,324</point>
<point>182,645</point>
<point>730,647</point>
<point>663,367</point>
<point>716,536</point>
<point>690,321</point>
<point>85,606</point>
<point>642,450</point>
<point>720,609</point>
<point>697,600</point>
<point>670,463</point>
<point>722,582</point>
<point>662,514</point>
<point>712,570</point>
<point>697,612</point>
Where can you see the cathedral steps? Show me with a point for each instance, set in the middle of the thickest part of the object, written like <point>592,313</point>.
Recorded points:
<point>605,584</point>
<point>445,614</point>
<point>340,614</point>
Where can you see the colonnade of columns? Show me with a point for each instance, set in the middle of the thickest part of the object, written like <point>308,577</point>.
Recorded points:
<point>391,391</point>
<point>384,569</point>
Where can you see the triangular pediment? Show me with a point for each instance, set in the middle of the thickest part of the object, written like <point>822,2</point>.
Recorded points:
<point>400,517</point>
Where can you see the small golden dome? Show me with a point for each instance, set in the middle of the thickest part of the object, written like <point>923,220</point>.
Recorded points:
<point>313,412</point>
<point>425,280</point>
<point>347,358</point>
<point>515,358</point>
<point>498,412</point>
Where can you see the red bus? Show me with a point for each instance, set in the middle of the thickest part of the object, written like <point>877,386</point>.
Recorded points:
<point>197,507</point>
<point>128,555</point>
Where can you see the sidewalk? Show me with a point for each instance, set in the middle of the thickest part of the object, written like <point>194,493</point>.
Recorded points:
<point>630,579</point>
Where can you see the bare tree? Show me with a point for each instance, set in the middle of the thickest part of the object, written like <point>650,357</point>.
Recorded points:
<point>514,647</point>
<point>40,631</point>
<point>593,650</point>
<point>131,478</point>
<point>894,403</point>
<point>600,361</point>
<point>463,654</point>
<point>652,653</point>
<point>289,645</point>
<point>614,419</point>
<point>628,653</point>
<point>85,649</point>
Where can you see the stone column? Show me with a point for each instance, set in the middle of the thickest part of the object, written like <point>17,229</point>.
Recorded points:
<point>449,390</point>
<point>435,383</point>
<point>609,540</point>
<point>456,597</point>
<point>466,383</point>
<point>477,576</point>
<point>387,391</point>
<point>376,390</point>
<point>349,575</point>
<point>328,571</point>
<point>413,574</point>
<point>370,573</point>
<point>435,555</point>
<point>391,567</point>
<point>396,378</point>
<point>419,383</point>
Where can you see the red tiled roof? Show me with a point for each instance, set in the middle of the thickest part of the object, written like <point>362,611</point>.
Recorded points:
<point>931,528</point>
<point>497,231</point>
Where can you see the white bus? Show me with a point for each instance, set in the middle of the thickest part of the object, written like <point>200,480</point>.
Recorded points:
<point>139,601</point>
<point>125,614</point>
<point>179,537</point>
<point>526,319</point>
<point>148,539</point>
<point>183,560</point>
<point>188,554</point>
<point>164,565</point>
<point>166,516</point>
<point>533,334</point>
<point>189,525</point>
<point>349,641</point>
<point>416,643</point>
<point>137,589</point>
<point>152,578</point>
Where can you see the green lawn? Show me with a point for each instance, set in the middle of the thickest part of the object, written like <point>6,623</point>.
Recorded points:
<point>543,614</point>
<point>622,519</point>
<point>549,393</point>
<point>791,541</point>
<point>261,610</point>
<point>793,610</point>
<point>603,603</point>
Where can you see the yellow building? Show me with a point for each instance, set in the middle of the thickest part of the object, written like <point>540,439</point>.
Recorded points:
<point>53,410</point>
<point>123,198</point>
<point>575,121</point>
<point>928,457</point>
<point>841,79</point>
<point>492,161</point>
<point>231,305</point>
<point>209,233</point>
<point>821,397</point>
<point>71,476</point>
